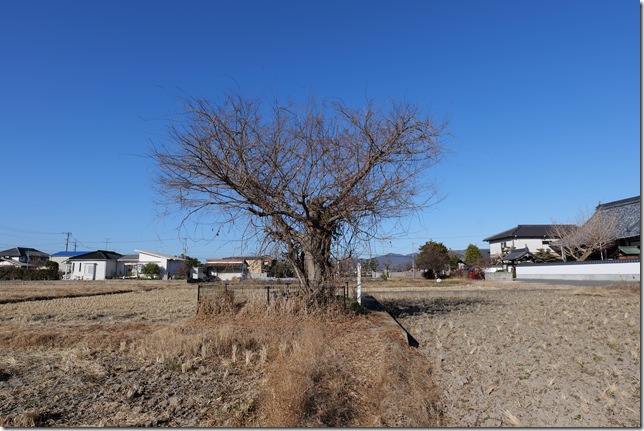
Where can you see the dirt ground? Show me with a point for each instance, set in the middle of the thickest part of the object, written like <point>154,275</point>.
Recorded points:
<point>491,354</point>
<point>143,357</point>
<point>528,355</point>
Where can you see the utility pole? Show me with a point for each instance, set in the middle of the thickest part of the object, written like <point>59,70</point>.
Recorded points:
<point>67,241</point>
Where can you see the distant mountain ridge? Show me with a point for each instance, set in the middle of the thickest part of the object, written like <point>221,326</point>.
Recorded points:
<point>403,262</point>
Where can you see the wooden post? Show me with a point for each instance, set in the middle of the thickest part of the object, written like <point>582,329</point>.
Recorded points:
<point>346,292</point>
<point>268,295</point>
<point>359,287</point>
<point>198,296</point>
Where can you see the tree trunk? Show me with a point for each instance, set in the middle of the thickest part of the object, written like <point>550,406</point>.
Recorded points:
<point>312,262</point>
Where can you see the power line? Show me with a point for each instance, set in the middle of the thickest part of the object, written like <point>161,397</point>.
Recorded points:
<point>31,232</point>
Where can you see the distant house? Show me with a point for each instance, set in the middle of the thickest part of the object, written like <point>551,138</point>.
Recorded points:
<point>23,257</point>
<point>62,257</point>
<point>169,264</point>
<point>626,252</point>
<point>239,267</point>
<point>258,266</point>
<point>95,265</point>
<point>517,256</point>
<point>129,266</point>
<point>627,213</point>
<point>529,236</point>
<point>226,269</point>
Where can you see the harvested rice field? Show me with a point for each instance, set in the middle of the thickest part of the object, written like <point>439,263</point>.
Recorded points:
<point>527,355</point>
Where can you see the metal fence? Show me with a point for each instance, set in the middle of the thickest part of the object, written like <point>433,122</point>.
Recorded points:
<point>269,292</point>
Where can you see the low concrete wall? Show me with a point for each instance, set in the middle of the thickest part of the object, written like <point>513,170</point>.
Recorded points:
<point>498,276</point>
<point>614,270</point>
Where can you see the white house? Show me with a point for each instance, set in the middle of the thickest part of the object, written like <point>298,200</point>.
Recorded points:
<point>226,269</point>
<point>529,236</point>
<point>23,257</point>
<point>129,266</point>
<point>96,265</point>
<point>62,258</point>
<point>169,264</point>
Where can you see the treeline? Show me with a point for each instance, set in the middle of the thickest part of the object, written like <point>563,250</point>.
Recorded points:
<point>16,273</point>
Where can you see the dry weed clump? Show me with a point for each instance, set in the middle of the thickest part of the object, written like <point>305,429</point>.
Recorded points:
<point>149,359</point>
<point>295,382</point>
<point>407,393</point>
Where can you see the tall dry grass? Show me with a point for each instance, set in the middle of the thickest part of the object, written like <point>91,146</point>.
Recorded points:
<point>302,365</point>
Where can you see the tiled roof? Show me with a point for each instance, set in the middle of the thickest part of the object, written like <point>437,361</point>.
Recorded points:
<point>98,255</point>
<point>632,250</point>
<point>524,231</point>
<point>628,214</point>
<point>22,251</point>
<point>517,254</point>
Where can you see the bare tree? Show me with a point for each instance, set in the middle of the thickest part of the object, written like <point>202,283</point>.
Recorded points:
<point>305,176</point>
<point>587,235</point>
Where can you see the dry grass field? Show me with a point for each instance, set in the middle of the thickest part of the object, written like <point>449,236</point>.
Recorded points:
<point>513,354</point>
<point>491,354</point>
<point>145,357</point>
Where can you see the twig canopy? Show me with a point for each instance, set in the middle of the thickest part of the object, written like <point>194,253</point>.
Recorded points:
<point>305,175</point>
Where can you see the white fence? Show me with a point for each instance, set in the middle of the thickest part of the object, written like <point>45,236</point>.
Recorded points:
<point>620,270</point>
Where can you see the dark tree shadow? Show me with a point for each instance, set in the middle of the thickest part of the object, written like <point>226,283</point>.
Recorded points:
<point>434,306</point>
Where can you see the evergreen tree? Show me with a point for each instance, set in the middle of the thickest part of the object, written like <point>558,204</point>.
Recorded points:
<point>433,259</point>
<point>473,255</point>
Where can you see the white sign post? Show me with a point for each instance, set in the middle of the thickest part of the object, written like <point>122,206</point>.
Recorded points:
<point>359,288</point>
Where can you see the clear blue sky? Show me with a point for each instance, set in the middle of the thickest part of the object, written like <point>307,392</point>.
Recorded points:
<point>543,99</point>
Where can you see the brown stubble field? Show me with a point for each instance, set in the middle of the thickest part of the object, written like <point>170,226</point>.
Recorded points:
<point>512,354</point>
<point>144,357</point>
<point>491,354</point>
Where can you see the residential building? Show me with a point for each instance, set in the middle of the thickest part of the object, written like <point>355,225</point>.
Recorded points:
<point>168,264</point>
<point>526,236</point>
<point>627,216</point>
<point>226,269</point>
<point>96,265</point>
<point>24,257</point>
<point>62,257</point>
<point>129,266</point>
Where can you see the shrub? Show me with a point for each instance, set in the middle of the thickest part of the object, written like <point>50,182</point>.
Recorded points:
<point>151,269</point>
<point>16,273</point>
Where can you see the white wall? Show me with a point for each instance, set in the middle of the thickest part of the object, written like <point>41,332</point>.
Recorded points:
<point>228,276</point>
<point>168,266</point>
<point>532,244</point>
<point>93,270</point>
<point>605,270</point>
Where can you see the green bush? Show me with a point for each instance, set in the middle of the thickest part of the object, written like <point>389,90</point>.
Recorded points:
<point>151,269</point>
<point>16,273</point>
